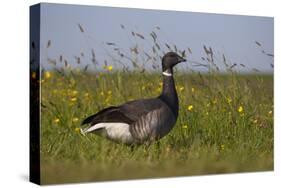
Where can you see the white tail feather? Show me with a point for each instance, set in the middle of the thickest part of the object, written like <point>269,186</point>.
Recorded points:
<point>115,131</point>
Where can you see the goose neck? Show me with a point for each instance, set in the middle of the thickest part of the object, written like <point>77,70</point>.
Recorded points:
<point>169,93</point>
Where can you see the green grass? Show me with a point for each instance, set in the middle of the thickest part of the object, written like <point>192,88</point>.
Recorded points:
<point>213,137</point>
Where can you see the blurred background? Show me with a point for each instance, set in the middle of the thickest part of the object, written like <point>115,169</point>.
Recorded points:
<point>94,37</point>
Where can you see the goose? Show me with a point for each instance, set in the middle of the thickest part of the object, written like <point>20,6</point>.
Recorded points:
<point>140,121</point>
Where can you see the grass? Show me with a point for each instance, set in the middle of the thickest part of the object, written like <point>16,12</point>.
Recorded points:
<point>225,125</point>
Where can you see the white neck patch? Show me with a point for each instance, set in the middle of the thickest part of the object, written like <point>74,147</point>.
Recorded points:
<point>167,73</point>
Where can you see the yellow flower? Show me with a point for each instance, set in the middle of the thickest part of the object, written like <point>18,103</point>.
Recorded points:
<point>56,120</point>
<point>222,147</point>
<point>73,99</point>
<point>255,121</point>
<point>77,129</point>
<point>240,109</point>
<point>190,107</point>
<point>143,88</point>
<point>102,93</point>
<point>185,126</point>
<point>109,68</point>
<point>107,100</point>
<point>74,93</point>
<point>270,112</point>
<point>181,88</point>
<point>158,89</point>
<point>192,89</point>
<point>229,100</point>
<point>109,92</point>
<point>47,75</point>
<point>75,119</point>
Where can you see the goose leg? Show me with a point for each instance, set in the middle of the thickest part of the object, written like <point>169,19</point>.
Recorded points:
<point>132,147</point>
<point>158,148</point>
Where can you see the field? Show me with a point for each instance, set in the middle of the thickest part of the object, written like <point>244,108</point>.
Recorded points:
<point>225,125</point>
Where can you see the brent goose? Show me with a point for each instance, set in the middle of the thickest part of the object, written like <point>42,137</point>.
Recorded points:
<point>140,121</point>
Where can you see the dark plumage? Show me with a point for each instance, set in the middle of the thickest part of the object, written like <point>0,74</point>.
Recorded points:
<point>143,120</point>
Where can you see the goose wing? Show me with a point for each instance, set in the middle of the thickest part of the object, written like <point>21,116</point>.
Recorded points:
<point>127,113</point>
<point>110,114</point>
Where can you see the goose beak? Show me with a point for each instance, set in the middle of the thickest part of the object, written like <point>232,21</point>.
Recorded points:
<point>181,59</point>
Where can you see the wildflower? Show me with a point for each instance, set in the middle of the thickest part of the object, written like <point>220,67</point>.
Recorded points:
<point>229,100</point>
<point>270,112</point>
<point>185,126</point>
<point>192,89</point>
<point>73,99</point>
<point>47,75</point>
<point>207,113</point>
<point>109,92</point>
<point>240,109</point>
<point>75,119</point>
<point>102,93</point>
<point>222,147</point>
<point>181,88</point>
<point>107,100</point>
<point>56,120</point>
<point>143,88</point>
<point>255,121</point>
<point>190,107</point>
<point>77,129</point>
<point>109,68</point>
<point>74,93</point>
<point>158,89</point>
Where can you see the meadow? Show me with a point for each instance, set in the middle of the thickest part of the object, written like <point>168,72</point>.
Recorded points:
<point>225,125</point>
<point>225,122</point>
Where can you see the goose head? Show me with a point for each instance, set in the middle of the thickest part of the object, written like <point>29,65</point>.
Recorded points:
<point>171,59</point>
